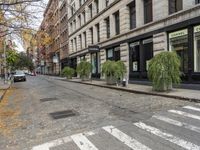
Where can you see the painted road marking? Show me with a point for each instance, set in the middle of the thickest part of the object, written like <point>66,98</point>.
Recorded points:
<point>168,137</point>
<point>58,142</point>
<point>82,142</point>
<point>192,108</point>
<point>178,123</point>
<point>129,141</point>
<point>185,114</point>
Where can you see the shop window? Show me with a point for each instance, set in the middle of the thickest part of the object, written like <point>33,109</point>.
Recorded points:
<point>148,51</point>
<point>197,49</point>
<point>175,6</point>
<point>117,53</point>
<point>178,41</point>
<point>132,15</point>
<point>148,11</point>
<point>197,1</point>
<point>135,56</point>
<point>110,54</point>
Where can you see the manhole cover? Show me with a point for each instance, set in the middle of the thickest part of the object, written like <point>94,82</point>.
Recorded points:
<point>63,114</point>
<point>48,99</point>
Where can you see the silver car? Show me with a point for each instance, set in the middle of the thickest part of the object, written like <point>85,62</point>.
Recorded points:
<point>19,76</point>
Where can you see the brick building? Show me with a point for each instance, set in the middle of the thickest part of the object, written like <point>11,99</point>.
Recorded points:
<point>134,31</point>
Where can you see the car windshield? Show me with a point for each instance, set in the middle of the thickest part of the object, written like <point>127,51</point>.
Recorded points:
<point>19,72</point>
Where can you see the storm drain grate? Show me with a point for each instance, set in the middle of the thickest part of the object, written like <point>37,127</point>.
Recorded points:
<point>63,114</point>
<point>48,99</point>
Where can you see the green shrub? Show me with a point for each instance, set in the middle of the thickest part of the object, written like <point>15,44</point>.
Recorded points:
<point>113,69</point>
<point>84,69</point>
<point>68,72</point>
<point>164,70</point>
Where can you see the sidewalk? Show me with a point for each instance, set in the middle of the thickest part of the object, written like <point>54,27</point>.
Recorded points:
<point>3,88</point>
<point>182,94</point>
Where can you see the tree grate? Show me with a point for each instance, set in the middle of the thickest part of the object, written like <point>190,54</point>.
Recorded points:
<point>63,114</point>
<point>48,99</point>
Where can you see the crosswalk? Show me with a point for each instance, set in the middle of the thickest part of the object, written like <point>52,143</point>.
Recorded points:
<point>169,130</point>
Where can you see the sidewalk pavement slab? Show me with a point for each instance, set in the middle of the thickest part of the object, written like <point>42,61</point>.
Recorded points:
<point>3,89</point>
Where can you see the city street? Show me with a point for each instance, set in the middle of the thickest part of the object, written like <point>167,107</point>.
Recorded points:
<point>93,118</point>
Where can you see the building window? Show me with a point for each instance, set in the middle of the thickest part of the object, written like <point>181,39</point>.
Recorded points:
<point>107,2</point>
<point>74,25</point>
<point>148,11</point>
<point>97,5</point>
<point>132,15</point>
<point>98,32</point>
<point>90,10</point>
<point>107,20</point>
<point>117,23</point>
<point>80,38</point>
<point>197,1</point>
<point>197,49</point>
<point>178,42</point>
<point>72,45</point>
<point>75,43</point>
<point>79,20</point>
<point>80,3</point>
<point>72,8</point>
<point>110,54</point>
<point>175,6</point>
<point>84,18</point>
<point>85,38</point>
<point>148,51</point>
<point>92,38</point>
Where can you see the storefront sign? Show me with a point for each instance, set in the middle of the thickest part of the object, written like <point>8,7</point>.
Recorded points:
<point>197,29</point>
<point>178,33</point>
<point>134,44</point>
<point>93,49</point>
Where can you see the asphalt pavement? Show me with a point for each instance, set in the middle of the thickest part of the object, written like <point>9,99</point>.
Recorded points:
<point>48,114</point>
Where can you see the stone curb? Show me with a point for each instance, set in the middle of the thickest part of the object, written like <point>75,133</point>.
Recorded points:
<point>137,91</point>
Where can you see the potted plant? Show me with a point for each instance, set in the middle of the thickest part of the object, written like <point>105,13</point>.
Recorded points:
<point>84,69</point>
<point>113,71</point>
<point>68,72</point>
<point>164,70</point>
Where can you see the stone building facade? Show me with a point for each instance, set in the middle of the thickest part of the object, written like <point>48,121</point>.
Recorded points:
<point>134,31</point>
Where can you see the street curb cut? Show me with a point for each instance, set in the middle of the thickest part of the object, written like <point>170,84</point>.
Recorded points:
<point>138,92</point>
<point>4,93</point>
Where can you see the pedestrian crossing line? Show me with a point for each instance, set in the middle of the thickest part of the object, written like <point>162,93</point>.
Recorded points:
<point>82,142</point>
<point>127,140</point>
<point>185,114</point>
<point>192,108</point>
<point>178,123</point>
<point>168,137</point>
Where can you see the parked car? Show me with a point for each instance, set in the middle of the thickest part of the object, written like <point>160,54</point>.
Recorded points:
<point>19,76</point>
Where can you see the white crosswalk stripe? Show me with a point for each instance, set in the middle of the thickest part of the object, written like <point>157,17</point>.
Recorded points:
<point>178,123</point>
<point>169,137</point>
<point>185,114</point>
<point>82,142</point>
<point>192,108</point>
<point>129,141</point>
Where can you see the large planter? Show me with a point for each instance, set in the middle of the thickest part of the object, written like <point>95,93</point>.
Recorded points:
<point>110,80</point>
<point>164,87</point>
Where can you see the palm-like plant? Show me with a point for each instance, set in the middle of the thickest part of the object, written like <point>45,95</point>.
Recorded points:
<point>164,70</point>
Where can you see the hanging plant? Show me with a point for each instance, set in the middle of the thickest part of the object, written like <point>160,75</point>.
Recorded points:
<point>164,70</point>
